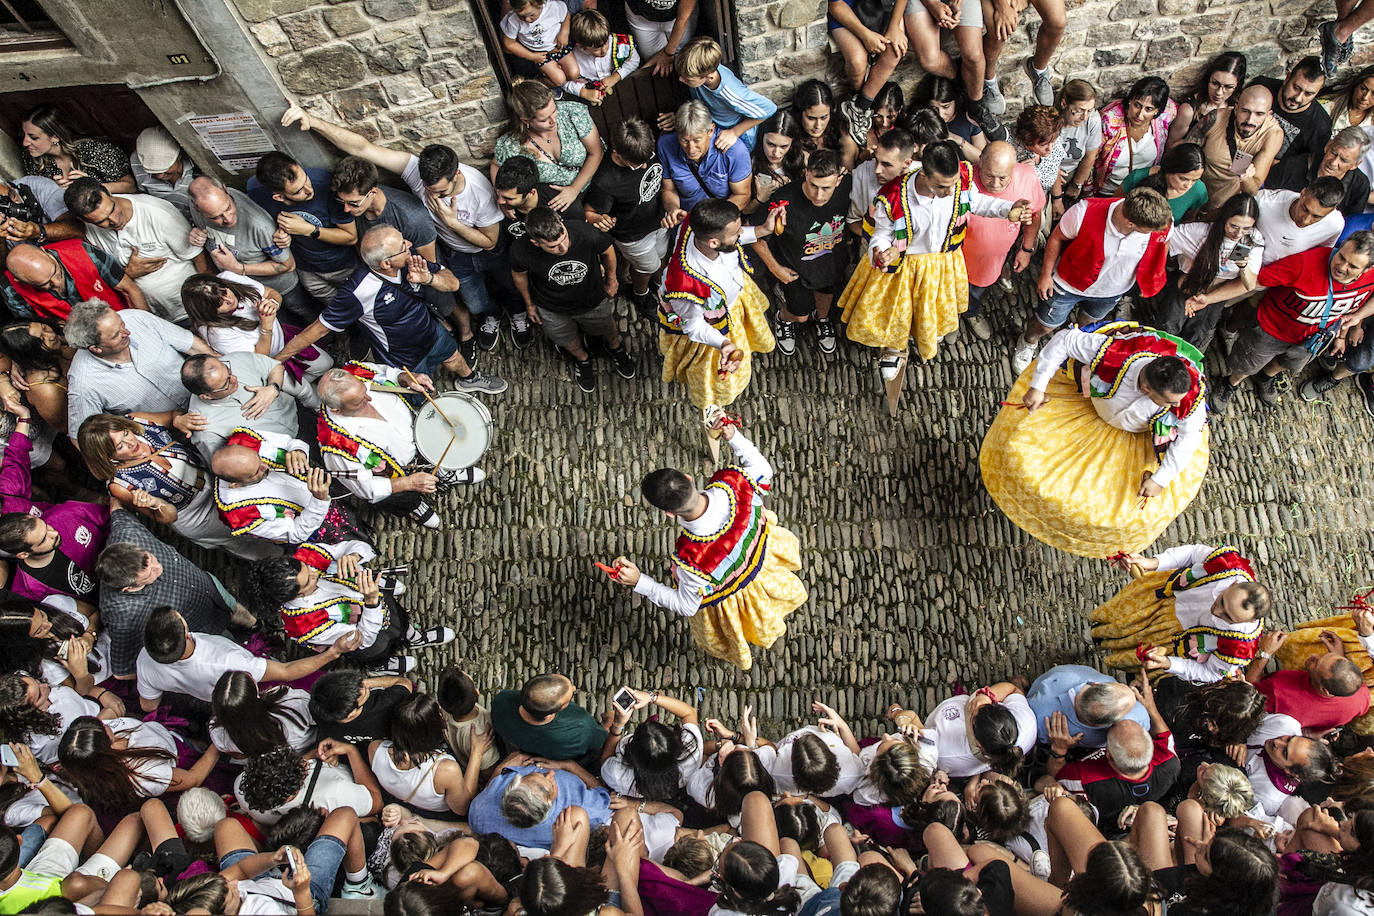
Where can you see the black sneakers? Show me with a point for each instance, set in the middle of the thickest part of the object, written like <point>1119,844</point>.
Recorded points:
<point>585,374</point>
<point>1222,393</point>
<point>622,360</point>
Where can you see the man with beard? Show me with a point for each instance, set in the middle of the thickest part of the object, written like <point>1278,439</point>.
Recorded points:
<point>1239,150</point>
<point>1306,125</point>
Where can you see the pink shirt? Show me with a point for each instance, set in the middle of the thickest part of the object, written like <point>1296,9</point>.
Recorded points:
<point>988,240</point>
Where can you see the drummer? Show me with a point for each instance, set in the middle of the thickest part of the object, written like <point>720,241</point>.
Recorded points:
<point>367,437</point>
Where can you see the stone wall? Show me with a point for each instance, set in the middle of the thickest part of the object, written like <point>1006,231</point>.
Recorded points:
<point>416,71</point>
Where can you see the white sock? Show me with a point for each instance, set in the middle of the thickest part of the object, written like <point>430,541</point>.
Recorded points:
<point>356,877</point>
<point>100,866</point>
<point>1039,71</point>
<point>990,83</point>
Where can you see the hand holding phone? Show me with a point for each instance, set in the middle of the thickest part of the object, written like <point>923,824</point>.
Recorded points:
<point>1240,163</point>
<point>624,700</point>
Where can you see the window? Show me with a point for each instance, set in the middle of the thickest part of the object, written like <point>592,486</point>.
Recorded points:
<point>25,27</point>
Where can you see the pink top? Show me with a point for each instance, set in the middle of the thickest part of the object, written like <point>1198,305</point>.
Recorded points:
<point>988,240</point>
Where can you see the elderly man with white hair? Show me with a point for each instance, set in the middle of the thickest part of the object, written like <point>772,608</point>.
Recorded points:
<point>367,437</point>
<point>1341,159</point>
<point>694,170</point>
<point>383,297</point>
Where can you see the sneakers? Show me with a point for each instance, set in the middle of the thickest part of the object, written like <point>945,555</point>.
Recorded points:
<point>622,360</point>
<point>454,476</point>
<point>585,374</point>
<point>860,121</point>
<point>993,100</point>
<point>390,583</point>
<point>1267,387</point>
<point>1317,386</point>
<point>1041,87</point>
<point>979,326</point>
<point>488,332</point>
<point>521,332</point>
<point>825,334</point>
<point>1332,49</point>
<point>1364,383</point>
<point>1221,394</point>
<point>786,334</point>
<point>1022,356</point>
<point>424,514</point>
<point>982,114</point>
<point>469,350</point>
<point>363,890</point>
<point>477,383</point>
<point>646,304</point>
<point>396,666</point>
<point>433,636</point>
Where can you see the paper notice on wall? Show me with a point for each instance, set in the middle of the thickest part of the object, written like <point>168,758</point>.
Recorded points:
<point>234,138</point>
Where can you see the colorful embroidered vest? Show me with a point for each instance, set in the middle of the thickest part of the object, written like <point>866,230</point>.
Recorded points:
<point>81,273</point>
<point>162,483</point>
<point>1103,375</point>
<point>335,605</point>
<point>895,199</point>
<point>275,458</point>
<point>1083,258</point>
<point>334,438</point>
<point>1225,564</point>
<point>682,283</point>
<point>242,516</point>
<point>621,50</point>
<point>731,559</point>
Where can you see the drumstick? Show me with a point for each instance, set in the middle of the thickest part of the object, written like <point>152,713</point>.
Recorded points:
<point>444,454</point>
<point>430,399</point>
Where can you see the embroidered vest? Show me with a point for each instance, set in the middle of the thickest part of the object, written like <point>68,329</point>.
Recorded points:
<point>163,482</point>
<point>682,283</point>
<point>731,559</point>
<point>307,621</point>
<point>621,50</point>
<point>895,199</point>
<point>1082,259</point>
<point>1231,646</point>
<point>81,273</point>
<point>274,458</point>
<point>242,516</point>
<point>334,438</point>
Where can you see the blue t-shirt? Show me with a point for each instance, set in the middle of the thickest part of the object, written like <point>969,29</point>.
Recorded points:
<point>715,170</point>
<point>323,210</point>
<point>392,313</point>
<point>484,814</point>
<point>732,102</point>
<point>1356,223</point>
<point>1055,690</point>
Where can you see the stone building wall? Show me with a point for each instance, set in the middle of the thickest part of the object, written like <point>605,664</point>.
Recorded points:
<point>416,71</point>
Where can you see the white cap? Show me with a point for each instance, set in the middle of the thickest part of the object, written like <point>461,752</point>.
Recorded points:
<point>157,151</point>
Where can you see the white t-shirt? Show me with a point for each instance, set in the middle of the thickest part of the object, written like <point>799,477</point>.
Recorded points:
<point>153,776</point>
<point>196,676</point>
<point>334,789</point>
<point>789,875</point>
<point>1142,154</point>
<point>542,33</point>
<point>951,734</point>
<point>1080,141</point>
<point>1186,241</point>
<point>619,777</point>
<point>866,791</point>
<point>851,768</point>
<point>1270,797</point>
<point>476,205</point>
<point>158,230</point>
<point>67,705</point>
<point>1122,254</point>
<point>701,785</point>
<point>297,726</point>
<point>1282,236</point>
<point>233,340</point>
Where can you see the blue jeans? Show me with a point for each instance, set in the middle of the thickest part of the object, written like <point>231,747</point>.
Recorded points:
<point>1360,358</point>
<point>1053,312</point>
<point>324,857</point>
<point>975,299</point>
<point>30,841</point>
<point>443,348</point>
<point>471,270</point>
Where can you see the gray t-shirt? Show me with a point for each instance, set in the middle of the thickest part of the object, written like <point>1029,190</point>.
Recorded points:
<point>226,413</point>
<point>406,215</point>
<point>48,195</point>
<point>252,233</point>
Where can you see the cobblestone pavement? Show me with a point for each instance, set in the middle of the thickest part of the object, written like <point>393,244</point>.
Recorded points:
<point>916,579</point>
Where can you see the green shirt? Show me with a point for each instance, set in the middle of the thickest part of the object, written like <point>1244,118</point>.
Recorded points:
<point>1192,199</point>
<point>571,735</point>
<point>29,888</point>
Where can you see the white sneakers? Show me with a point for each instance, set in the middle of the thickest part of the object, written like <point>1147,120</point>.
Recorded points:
<point>1022,356</point>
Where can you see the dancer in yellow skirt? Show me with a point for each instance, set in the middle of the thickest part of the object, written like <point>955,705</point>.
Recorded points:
<point>913,284</point>
<point>711,312</point>
<point>734,566</point>
<point>1198,607</point>
<point>1100,456</point>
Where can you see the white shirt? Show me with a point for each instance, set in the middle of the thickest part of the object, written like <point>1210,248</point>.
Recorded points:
<point>725,271</point>
<point>866,791</point>
<point>851,768</point>
<point>152,776</point>
<point>1193,608</point>
<point>1141,154</point>
<point>928,221</point>
<point>542,33</point>
<point>789,875</point>
<point>1122,253</point>
<point>232,340</point>
<point>862,189</point>
<point>196,675</point>
<point>1129,409</point>
<point>278,486</point>
<point>157,230</point>
<point>620,778</point>
<point>333,596</point>
<point>394,434</point>
<point>951,734</point>
<point>334,789</point>
<point>1186,241</point>
<point>685,598</point>
<point>601,67</point>
<point>1267,795</point>
<point>67,705</point>
<point>701,785</point>
<point>475,205</point>
<point>298,727</point>
<point>415,786</point>
<point>1283,236</point>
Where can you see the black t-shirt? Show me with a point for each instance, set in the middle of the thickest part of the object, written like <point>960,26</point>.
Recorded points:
<point>1303,133</point>
<point>630,195</point>
<point>994,881</point>
<point>62,575</point>
<point>372,723</point>
<point>513,227</point>
<point>571,282</point>
<point>654,11</point>
<point>811,241</point>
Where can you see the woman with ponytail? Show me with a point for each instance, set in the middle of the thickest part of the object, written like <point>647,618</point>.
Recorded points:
<point>761,875</point>
<point>991,729</point>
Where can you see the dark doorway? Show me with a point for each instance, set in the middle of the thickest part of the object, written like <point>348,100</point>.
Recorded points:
<point>114,113</point>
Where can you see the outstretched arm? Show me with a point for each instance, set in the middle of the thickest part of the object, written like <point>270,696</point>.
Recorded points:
<point>350,143</point>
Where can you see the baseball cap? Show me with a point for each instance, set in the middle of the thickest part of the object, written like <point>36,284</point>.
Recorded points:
<point>157,151</point>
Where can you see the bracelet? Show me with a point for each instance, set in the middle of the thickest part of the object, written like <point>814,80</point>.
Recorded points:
<point>1057,756</point>
<point>1056,197</point>
<point>276,386</point>
<point>1262,654</point>
<point>653,697</point>
<point>1027,250</point>
<point>102,693</point>
<point>616,731</point>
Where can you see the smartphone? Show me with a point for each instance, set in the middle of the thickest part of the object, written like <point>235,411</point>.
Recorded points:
<point>62,652</point>
<point>7,756</point>
<point>292,864</point>
<point>624,700</point>
<point>1240,162</point>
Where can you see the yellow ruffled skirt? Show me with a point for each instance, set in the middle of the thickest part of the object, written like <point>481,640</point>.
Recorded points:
<point>757,613</point>
<point>1133,616</point>
<point>922,300</point>
<point>1070,479</point>
<point>1305,641</point>
<point>698,366</point>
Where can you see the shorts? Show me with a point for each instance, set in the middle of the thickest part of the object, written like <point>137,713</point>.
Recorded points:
<point>645,255</point>
<point>444,347</point>
<point>56,859</point>
<point>562,328</point>
<point>323,286</point>
<point>1053,312</point>
<point>1257,348</point>
<point>970,14</point>
<point>324,857</point>
<point>827,902</point>
<point>799,296</point>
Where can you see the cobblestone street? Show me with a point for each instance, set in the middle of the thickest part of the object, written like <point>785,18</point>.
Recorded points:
<point>916,579</point>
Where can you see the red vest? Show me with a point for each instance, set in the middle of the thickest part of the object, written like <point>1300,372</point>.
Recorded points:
<point>732,559</point>
<point>83,275</point>
<point>1082,259</point>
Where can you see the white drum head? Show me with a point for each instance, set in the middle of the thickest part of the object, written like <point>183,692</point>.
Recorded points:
<point>463,443</point>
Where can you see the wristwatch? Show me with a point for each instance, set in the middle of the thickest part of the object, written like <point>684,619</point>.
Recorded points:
<point>315,233</point>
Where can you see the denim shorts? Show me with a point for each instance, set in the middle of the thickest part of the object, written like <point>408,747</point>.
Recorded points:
<point>324,857</point>
<point>443,348</point>
<point>1053,312</point>
<point>1360,358</point>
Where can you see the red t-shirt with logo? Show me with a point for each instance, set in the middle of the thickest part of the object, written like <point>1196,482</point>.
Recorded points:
<point>1292,309</point>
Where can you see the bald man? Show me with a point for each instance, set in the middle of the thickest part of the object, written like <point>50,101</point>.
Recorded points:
<point>383,296</point>
<point>1239,150</point>
<point>266,488</point>
<point>987,240</point>
<point>47,282</point>
<point>241,238</point>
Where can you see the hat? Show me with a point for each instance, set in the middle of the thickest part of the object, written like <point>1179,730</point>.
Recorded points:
<point>157,151</point>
